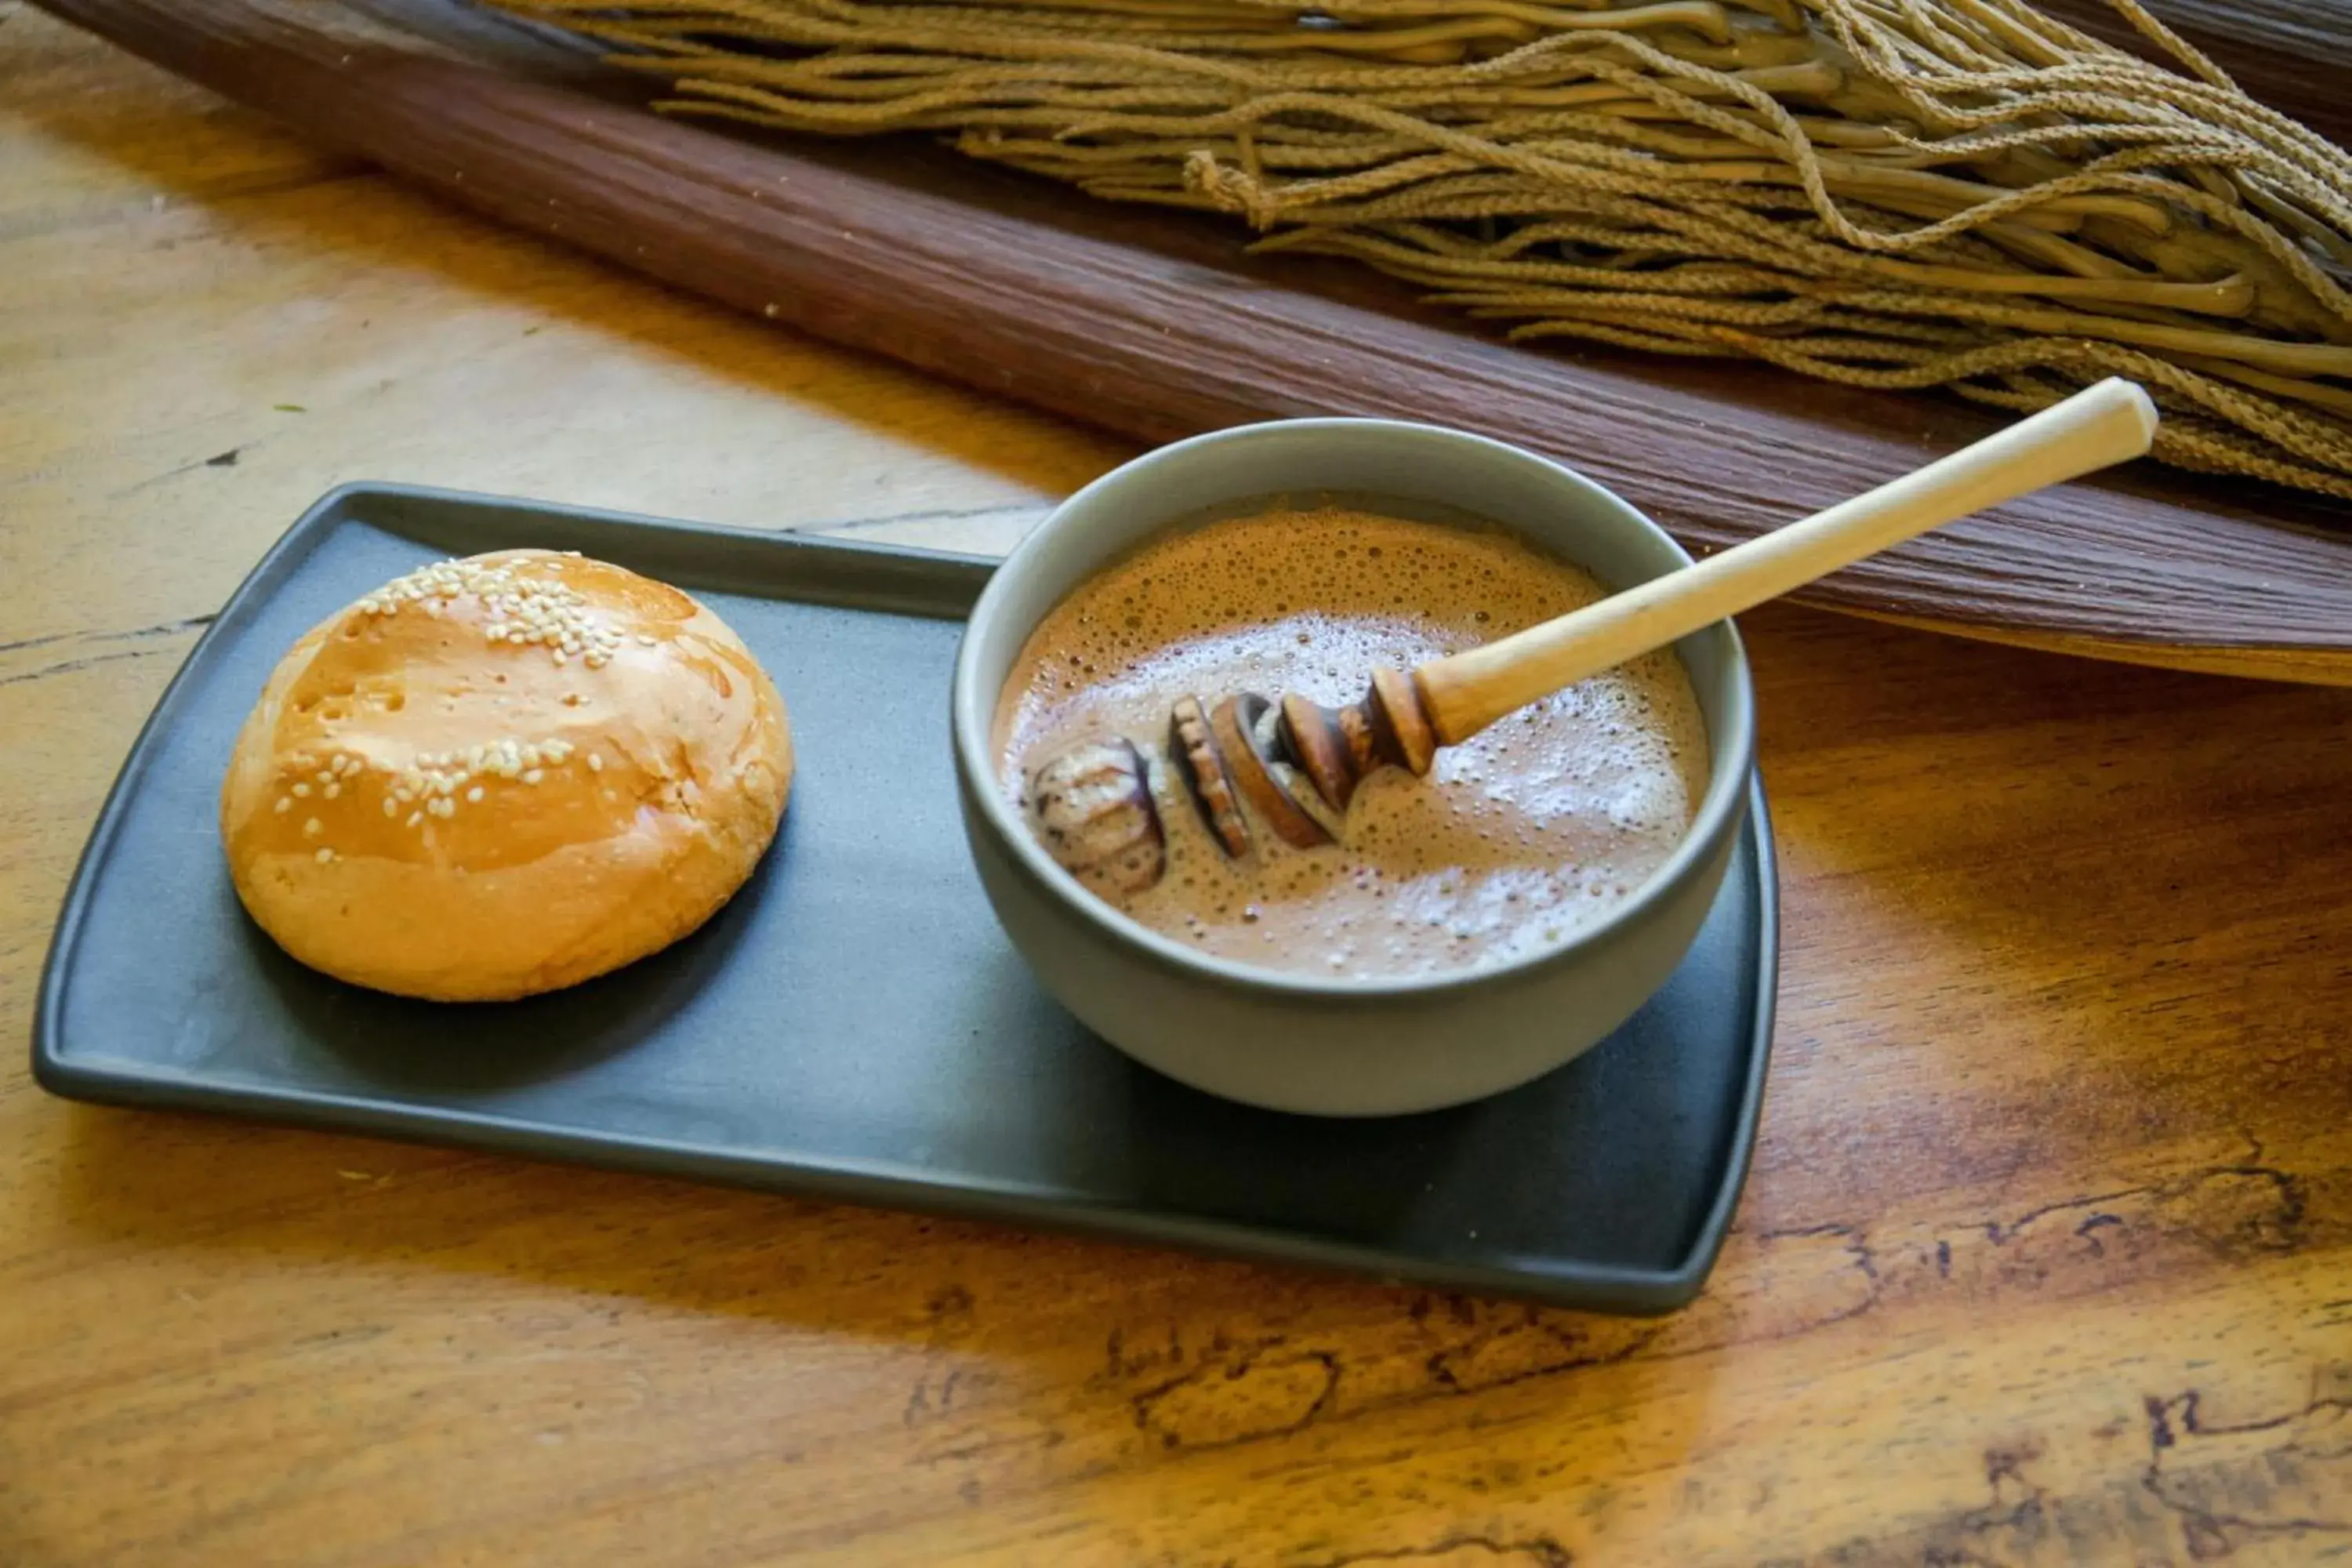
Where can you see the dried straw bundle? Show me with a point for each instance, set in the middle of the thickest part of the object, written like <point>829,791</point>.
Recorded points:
<point>1884,192</point>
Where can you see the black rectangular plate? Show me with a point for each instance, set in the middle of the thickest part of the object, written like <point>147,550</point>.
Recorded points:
<point>855,1025</point>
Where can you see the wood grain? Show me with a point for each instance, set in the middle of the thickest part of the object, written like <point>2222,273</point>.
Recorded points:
<point>2044,1260</point>
<point>1151,328</point>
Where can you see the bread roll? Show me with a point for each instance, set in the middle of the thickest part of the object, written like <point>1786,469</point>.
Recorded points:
<point>503,775</point>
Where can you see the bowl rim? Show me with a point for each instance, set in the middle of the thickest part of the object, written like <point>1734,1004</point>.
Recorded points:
<point>1719,812</point>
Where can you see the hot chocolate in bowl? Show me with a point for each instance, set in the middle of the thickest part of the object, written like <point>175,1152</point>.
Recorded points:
<point>1362,1038</point>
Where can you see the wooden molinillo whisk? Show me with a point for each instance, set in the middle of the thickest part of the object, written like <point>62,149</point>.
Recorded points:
<point>1094,805</point>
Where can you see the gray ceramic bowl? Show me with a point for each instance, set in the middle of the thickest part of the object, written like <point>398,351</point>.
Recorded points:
<point>1293,1042</point>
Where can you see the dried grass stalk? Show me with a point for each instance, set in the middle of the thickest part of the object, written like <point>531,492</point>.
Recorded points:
<point>1964,193</point>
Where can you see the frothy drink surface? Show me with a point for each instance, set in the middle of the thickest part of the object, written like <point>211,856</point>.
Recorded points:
<point>1518,838</point>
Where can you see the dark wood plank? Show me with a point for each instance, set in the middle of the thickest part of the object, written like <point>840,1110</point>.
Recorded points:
<point>1156,328</point>
<point>2293,55</point>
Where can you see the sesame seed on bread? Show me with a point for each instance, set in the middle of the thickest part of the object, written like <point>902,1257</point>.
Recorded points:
<point>503,775</point>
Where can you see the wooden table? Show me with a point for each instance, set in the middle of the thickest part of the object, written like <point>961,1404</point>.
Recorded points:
<point>2047,1256</point>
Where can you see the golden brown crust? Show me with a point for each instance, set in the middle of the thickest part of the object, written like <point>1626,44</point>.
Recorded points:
<point>501,776</point>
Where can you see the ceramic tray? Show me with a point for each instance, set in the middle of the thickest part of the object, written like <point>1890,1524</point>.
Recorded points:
<point>853,1025</point>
